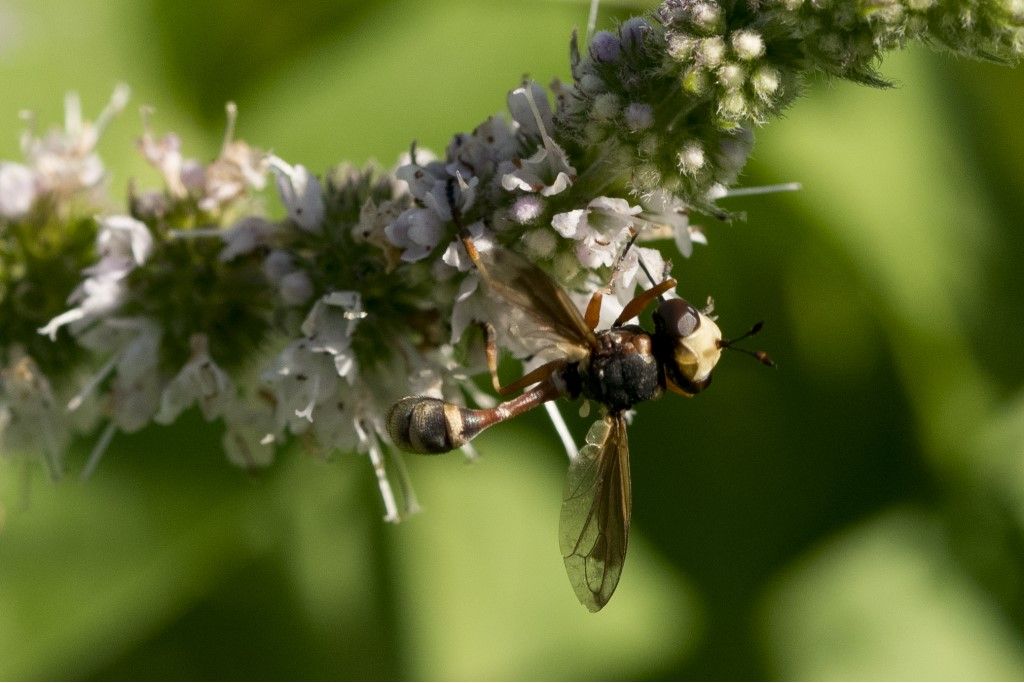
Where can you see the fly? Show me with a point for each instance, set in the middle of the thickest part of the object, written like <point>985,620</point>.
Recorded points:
<point>617,367</point>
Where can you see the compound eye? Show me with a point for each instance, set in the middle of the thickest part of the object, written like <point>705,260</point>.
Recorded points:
<point>679,318</point>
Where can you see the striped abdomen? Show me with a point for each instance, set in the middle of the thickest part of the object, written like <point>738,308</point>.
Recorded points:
<point>420,424</point>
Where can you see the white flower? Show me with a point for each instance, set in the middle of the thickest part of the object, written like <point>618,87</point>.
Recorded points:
<point>480,153</point>
<point>529,107</point>
<point>468,307</point>
<point>417,232</point>
<point>301,193</point>
<point>133,404</point>
<point>599,230</point>
<point>629,276</point>
<point>329,328</point>
<point>664,211</point>
<point>65,162</point>
<point>296,288</point>
<point>249,437</point>
<point>335,424</point>
<point>245,236</point>
<point>165,155</point>
<point>277,265</point>
<point>30,419</point>
<point>238,168</point>
<point>123,244</point>
<point>300,380</point>
<point>421,175</point>
<point>455,255</point>
<point>548,171</point>
<point>17,190</point>
<point>201,381</point>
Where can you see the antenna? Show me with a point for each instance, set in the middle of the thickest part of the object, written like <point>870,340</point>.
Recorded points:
<point>761,356</point>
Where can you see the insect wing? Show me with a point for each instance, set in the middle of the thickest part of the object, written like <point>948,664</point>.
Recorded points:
<point>594,526</point>
<point>528,288</point>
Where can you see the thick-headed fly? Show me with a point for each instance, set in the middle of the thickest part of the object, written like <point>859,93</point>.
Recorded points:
<point>617,367</point>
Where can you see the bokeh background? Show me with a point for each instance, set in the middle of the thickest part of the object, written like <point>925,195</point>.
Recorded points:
<point>856,514</point>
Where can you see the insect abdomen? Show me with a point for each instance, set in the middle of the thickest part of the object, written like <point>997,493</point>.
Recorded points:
<point>420,424</point>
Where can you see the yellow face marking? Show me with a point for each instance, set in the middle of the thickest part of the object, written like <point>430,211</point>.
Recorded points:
<point>698,354</point>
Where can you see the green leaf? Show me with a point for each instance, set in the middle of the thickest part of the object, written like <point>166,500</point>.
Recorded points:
<point>886,601</point>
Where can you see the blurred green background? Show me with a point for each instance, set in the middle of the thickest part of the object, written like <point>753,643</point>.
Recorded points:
<point>857,514</point>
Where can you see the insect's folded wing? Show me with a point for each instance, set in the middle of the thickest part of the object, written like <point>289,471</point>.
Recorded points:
<point>526,287</point>
<point>594,525</point>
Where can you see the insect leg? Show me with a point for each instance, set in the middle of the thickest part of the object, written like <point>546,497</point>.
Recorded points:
<point>643,300</point>
<point>491,352</point>
<point>532,377</point>
<point>593,315</point>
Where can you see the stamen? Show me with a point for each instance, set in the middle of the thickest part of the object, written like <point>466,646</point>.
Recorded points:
<point>377,461</point>
<point>67,317</point>
<point>72,113</point>
<point>28,117</point>
<point>307,412</point>
<point>229,131</point>
<point>592,19</point>
<point>410,504</point>
<point>146,112</point>
<point>470,451</point>
<point>76,401</point>
<point>98,450</point>
<point>561,429</point>
<point>118,101</point>
<point>762,189</point>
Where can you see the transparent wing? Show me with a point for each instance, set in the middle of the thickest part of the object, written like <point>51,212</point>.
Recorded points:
<point>528,288</point>
<point>594,526</point>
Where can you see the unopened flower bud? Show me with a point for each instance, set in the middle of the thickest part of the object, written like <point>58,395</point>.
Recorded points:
<point>592,84</point>
<point>766,81</point>
<point>695,81</point>
<point>527,208</point>
<point>705,15</point>
<point>733,105</point>
<point>605,47</point>
<point>639,116</point>
<point>731,75</point>
<point>278,264</point>
<point>606,106</point>
<point>691,157</point>
<point>711,51</point>
<point>634,32</point>
<point>296,288</point>
<point>17,190</point>
<point>540,243</point>
<point>748,44</point>
<point>566,266</point>
<point>649,145</point>
<point>680,46</point>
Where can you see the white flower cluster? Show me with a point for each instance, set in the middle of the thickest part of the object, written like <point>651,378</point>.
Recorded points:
<point>60,164</point>
<point>309,327</point>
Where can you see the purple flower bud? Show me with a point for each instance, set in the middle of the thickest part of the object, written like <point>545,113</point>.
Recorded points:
<point>605,47</point>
